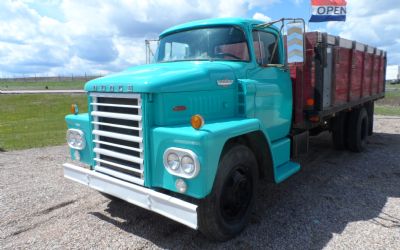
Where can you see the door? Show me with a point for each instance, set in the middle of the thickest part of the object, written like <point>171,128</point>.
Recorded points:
<point>273,100</point>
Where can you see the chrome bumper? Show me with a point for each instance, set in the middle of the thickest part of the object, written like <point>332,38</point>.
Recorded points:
<point>171,207</point>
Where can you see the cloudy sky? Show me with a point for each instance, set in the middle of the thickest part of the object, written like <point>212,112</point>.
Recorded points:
<point>56,37</point>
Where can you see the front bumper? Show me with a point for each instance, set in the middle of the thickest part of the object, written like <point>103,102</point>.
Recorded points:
<point>171,207</point>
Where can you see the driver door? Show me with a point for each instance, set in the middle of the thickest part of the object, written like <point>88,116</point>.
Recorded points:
<point>273,100</point>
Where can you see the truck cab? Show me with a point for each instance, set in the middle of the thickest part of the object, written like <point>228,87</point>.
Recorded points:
<point>190,135</point>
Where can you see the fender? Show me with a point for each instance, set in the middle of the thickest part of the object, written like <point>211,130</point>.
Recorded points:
<point>206,142</point>
<point>82,122</point>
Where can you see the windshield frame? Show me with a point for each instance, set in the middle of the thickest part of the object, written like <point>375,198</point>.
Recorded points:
<point>250,56</point>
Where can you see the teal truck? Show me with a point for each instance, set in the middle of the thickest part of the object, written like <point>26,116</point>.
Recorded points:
<point>221,106</point>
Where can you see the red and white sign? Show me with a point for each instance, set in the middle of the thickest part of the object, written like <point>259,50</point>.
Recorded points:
<point>328,10</point>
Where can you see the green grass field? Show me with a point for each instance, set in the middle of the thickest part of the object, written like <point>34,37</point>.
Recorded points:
<point>11,85</point>
<point>390,105</point>
<point>28,121</point>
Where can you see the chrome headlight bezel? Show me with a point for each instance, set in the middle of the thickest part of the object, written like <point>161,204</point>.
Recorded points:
<point>78,145</point>
<point>181,153</point>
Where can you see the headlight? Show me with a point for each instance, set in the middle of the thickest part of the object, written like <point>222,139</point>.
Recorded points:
<point>181,162</point>
<point>173,161</point>
<point>187,164</point>
<point>76,139</point>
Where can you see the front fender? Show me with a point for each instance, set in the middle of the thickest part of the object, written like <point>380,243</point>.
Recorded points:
<point>207,143</point>
<point>82,122</point>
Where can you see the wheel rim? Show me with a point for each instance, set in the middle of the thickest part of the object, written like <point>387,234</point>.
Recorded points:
<point>236,194</point>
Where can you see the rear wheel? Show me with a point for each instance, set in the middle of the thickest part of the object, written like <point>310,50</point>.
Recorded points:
<point>339,131</point>
<point>226,210</point>
<point>358,127</point>
<point>370,112</point>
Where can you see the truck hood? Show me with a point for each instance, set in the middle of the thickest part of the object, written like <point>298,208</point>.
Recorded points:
<point>166,77</point>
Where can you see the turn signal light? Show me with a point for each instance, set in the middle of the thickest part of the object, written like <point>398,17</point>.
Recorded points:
<point>310,102</point>
<point>74,109</point>
<point>197,121</point>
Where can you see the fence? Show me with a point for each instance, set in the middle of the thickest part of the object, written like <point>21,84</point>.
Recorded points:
<point>45,78</point>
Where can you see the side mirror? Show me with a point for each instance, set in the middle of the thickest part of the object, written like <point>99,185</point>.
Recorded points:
<point>295,42</point>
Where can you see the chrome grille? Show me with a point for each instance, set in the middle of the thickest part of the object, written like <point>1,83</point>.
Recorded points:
<point>117,135</point>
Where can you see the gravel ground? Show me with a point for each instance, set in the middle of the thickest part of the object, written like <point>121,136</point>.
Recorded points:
<point>339,200</point>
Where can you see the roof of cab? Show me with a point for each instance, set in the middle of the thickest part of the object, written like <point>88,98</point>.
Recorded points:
<point>210,22</point>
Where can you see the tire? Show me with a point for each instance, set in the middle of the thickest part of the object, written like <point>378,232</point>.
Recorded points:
<point>225,212</point>
<point>357,130</point>
<point>339,131</point>
<point>370,112</point>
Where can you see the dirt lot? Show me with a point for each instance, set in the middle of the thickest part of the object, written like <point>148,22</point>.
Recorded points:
<point>339,200</point>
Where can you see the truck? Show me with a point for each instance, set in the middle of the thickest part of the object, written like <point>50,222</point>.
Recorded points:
<point>225,104</point>
<point>393,74</point>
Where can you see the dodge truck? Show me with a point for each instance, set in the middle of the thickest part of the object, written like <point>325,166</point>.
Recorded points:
<point>225,103</point>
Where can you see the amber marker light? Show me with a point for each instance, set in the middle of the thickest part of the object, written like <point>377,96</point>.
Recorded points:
<point>197,121</point>
<point>314,118</point>
<point>74,109</point>
<point>310,102</point>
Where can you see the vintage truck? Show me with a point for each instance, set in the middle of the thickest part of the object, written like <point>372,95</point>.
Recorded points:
<point>190,135</point>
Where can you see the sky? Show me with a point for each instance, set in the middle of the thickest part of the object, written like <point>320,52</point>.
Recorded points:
<point>93,37</point>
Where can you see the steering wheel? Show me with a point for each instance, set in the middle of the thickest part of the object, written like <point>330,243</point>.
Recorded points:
<point>227,54</point>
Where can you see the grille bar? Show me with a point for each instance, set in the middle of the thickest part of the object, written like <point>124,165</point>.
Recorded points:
<point>118,155</point>
<point>115,105</point>
<point>118,146</point>
<point>117,115</point>
<point>118,139</point>
<point>119,166</point>
<point>120,175</point>
<point>116,125</point>
<point>117,136</point>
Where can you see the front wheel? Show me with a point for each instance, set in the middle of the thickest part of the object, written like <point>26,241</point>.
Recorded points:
<point>226,210</point>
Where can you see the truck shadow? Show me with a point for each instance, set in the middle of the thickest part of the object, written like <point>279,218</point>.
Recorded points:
<point>333,189</point>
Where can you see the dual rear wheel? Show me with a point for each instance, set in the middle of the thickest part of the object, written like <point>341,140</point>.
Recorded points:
<point>350,130</point>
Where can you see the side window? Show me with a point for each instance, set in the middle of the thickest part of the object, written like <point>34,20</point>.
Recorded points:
<point>176,51</point>
<point>264,44</point>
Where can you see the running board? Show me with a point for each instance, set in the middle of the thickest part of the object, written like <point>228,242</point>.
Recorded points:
<point>283,167</point>
<point>283,171</point>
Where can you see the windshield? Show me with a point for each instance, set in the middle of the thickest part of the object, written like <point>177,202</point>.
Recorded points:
<point>218,43</point>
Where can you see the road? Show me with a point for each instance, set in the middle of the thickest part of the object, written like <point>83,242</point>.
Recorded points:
<point>339,200</point>
<point>65,91</point>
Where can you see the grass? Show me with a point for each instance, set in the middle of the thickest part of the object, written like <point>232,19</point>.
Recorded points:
<point>28,121</point>
<point>41,85</point>
<point>390,105</point>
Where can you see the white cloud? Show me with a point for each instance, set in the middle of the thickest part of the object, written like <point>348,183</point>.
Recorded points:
<point>261,17</point>
<point>375,23</point>
<point>298,2</point>
<point>93,36</point>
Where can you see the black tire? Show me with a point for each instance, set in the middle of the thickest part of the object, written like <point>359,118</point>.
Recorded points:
<point>370,111</point>
<point>339,131</point>
<point>357,129</point>
<point>225,212</point>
